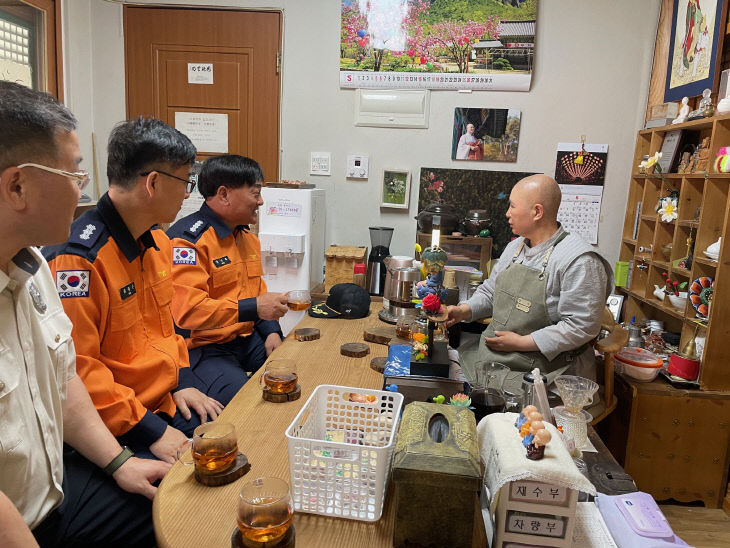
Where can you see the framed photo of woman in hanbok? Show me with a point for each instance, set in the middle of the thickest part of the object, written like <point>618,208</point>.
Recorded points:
<point>694,48</point>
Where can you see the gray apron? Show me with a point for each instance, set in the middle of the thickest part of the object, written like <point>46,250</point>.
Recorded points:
<point>520,306</point>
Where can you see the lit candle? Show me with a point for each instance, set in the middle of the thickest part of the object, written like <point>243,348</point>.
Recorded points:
<point>436,233</point>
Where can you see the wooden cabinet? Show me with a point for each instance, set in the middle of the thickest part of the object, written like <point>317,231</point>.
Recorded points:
<point>703,216</point>
<point>673,442</point>
<point>463,250</point>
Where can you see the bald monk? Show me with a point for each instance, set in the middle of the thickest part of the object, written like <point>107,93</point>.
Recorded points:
<point>546,294</point>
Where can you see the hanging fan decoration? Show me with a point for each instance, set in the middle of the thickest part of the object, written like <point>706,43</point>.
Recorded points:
<point>588,170</point>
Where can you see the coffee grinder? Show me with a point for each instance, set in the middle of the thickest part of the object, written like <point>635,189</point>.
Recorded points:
<point>380,237</point>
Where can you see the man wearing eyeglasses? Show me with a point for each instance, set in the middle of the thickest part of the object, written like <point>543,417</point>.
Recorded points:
<point>115,281</point>
<point>54,447</point>
<point>220,297</point>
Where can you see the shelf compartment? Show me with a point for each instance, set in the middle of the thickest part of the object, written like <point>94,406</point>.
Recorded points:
<point>712,216</point>
<point>690,200</point>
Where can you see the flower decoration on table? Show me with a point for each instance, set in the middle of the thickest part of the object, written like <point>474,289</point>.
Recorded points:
<point>460,400</point>
<point>420,346</point>
<point>672,287</point>
<point>431,304</point>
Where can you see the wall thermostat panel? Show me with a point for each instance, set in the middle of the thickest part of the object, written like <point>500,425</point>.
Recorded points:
<point>357,166</point>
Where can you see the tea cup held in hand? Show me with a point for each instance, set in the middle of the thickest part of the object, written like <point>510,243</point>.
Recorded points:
<point>298,299</point>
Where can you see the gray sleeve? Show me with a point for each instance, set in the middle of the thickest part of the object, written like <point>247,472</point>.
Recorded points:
<point>582,297</point>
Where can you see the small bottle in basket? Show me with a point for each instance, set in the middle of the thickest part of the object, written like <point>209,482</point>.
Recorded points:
<point>359,275</point>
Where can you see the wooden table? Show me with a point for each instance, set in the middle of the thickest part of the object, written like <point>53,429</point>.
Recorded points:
<point>189,514</point>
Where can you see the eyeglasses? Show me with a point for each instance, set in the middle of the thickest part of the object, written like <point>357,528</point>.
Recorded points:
<point>190,183</point>
<point>81,178</point>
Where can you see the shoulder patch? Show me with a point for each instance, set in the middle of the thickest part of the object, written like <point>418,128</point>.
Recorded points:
<point>72,283</point>
<point>196,227</point>
<point>86,234</point>
<point>184,255</point>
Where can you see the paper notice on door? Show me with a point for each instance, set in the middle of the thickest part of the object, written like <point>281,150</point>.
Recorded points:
<point>208,132</point>
<point>200,73</point>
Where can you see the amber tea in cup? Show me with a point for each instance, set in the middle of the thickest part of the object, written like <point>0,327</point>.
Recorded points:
<point>280,376</point>
<point>214,447</point>
<point>299,299</point>
<point>264,509</point>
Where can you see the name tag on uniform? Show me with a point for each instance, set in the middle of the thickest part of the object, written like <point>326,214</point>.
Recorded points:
<point>222,261</point>
<point>127,291</point>
<point>523,304</point>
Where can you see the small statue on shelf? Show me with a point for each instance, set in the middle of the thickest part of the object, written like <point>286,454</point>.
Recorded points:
<point>703,156</point>
<point>684,162</point>
<point>683,112</point>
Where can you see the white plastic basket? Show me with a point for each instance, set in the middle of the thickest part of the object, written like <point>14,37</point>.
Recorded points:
<point>340,451</point>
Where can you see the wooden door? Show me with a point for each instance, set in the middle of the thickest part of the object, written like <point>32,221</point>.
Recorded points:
<point>239,54</point>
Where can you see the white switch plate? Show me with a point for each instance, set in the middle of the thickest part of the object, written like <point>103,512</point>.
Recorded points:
<point>357,166</point>
<point>320,163</point>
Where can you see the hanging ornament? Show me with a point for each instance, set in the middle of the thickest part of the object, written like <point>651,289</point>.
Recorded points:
<point>579,159</point>
<point>361,33</point>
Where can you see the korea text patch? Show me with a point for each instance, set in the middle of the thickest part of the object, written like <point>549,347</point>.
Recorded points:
<point>72,283</point>
<point>183,255</point>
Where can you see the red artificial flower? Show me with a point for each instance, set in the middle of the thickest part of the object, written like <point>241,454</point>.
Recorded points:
<point>431,303</point>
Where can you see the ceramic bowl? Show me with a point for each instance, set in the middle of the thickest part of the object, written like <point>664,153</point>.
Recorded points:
<point>644,374</point>
<point>678,301</point>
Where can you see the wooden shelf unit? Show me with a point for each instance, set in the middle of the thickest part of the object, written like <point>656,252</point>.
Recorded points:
<point>704,213</point>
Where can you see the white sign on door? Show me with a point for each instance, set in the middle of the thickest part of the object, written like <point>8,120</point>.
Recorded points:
<point>208,132</point>
<point>200,73</point>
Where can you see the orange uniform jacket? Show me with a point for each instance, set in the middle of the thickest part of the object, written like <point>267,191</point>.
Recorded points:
<point>117,292</point>
<point>217,276</point>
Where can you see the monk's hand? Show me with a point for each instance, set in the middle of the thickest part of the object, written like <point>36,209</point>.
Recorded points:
<point>457,314</point>
<point>509,341</point>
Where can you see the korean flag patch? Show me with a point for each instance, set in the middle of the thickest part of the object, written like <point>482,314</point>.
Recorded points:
<point>183,255</point>
<point>72,283</point>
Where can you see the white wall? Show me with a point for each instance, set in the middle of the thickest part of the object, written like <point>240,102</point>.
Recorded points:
<point>591,77</point>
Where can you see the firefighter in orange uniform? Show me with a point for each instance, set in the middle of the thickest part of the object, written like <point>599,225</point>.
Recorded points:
<point>115,282</point>
<point>220,301</point>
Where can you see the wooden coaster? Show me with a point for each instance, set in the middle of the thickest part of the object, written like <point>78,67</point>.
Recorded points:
<point>240,467</point>
<point>281,398</point>
<point>378,364</point>
<point>287,540</point>
<point>355,350</point>
<point>383,335</point>
<point>306,334</point>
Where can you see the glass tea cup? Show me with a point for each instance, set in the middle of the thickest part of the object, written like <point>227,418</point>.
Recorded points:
<point>298,299</point>
<point>264,509</point>
<point>514,399</point>
<point>214,448</point>
<point>279,376</point>
<point>403,327</point>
